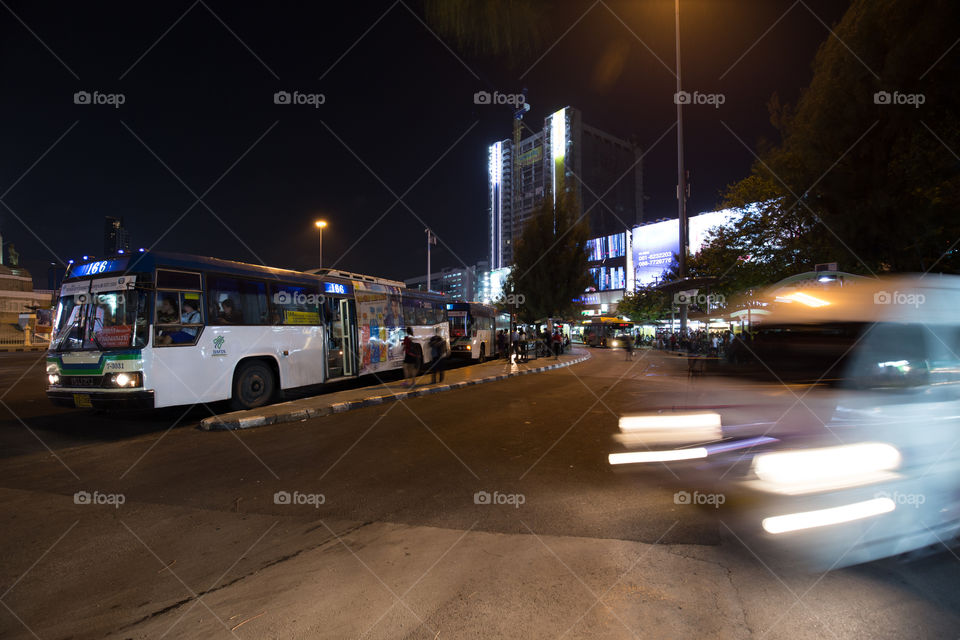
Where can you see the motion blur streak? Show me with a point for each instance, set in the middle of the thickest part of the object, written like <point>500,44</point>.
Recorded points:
<point>805,298</point>
<point>657,456</point>
<point>663,429</point>
<point>826,468</point>
<point>825,517</point>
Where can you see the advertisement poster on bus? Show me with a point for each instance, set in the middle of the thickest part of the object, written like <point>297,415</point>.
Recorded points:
<point>379,320</point>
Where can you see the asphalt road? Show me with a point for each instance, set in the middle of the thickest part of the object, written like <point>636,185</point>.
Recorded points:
<point>384,534</point>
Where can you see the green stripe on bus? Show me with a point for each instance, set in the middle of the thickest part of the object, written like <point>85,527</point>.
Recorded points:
<point>66,371</point>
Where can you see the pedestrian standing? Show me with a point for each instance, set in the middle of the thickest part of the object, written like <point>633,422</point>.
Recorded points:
<point>515,342</point>
<point>411,363</point>
<point>438,356</point>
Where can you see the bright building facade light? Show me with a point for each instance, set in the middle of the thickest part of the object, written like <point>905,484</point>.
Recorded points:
<point>558,149</point>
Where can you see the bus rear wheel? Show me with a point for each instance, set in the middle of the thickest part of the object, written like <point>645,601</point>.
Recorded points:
<point>254,385</point>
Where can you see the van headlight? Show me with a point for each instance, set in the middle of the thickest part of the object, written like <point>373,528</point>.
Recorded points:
<point>132,379</point>
<point>825,469</point>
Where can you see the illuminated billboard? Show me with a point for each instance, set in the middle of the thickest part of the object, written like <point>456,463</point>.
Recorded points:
<point>653,247</point>
<point>612,246</point>
<point>701,225</point>
<point>607,278</point>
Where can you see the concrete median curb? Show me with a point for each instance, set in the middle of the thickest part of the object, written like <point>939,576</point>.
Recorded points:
<point>271,415</point>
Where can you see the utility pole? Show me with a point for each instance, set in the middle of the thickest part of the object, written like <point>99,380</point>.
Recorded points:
<point>431,239</point>
<point>681,180</point>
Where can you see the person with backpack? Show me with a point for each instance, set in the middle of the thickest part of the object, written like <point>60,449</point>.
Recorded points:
<point>438,356</point>
<point>411,361</point>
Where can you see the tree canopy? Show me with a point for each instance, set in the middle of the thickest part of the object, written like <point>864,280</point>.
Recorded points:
<point>549,269</point>
<point>646,306</point>
<point>866,172</point>
<point>497,27</point>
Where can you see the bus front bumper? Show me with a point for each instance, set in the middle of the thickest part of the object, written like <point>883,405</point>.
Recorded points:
<point>107,400</point>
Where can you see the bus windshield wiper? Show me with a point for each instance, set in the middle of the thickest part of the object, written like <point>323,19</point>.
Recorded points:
<point>66,332</point>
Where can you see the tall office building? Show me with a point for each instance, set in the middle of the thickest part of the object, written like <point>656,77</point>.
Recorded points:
<point>602,171</point>
<point>116,239</point>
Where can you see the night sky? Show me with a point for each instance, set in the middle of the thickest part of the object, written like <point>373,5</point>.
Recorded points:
<point>199,120</point>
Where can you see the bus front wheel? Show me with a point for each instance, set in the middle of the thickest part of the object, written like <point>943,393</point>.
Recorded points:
<point>253,385</point>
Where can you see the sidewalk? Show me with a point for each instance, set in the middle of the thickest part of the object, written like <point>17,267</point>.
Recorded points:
<point>340,401</point>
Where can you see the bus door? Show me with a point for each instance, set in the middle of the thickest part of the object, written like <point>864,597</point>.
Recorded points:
<point>341,344</point>
<point>348,337</point>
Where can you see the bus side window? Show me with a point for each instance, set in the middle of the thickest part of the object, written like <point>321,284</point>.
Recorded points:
<point>179,317</point>
<point>293,304</point>
<point>168,307</point>
<point>238,301</point>
<point>409,312</point>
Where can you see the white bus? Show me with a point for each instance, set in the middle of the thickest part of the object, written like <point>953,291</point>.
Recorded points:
<point>473,329</point>
<point>156,329</point>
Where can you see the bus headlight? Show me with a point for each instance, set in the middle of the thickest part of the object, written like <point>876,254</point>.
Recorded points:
<point>53,379</point>
<point>132,379</point>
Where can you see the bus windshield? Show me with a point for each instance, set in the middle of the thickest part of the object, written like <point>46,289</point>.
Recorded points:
<point>99,321</point>
<point>459,324</point>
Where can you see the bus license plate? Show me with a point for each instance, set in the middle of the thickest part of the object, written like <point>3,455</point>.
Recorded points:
<point>82,401</point>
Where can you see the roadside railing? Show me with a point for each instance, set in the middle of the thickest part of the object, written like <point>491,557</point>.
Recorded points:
<point>25,340</point>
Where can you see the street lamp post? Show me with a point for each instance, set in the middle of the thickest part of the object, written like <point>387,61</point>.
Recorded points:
<point>320,224</point>
<point>681,181</point>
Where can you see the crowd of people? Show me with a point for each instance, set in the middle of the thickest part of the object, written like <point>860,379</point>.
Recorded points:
<point>701,341</point>
<point>517,343</point>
